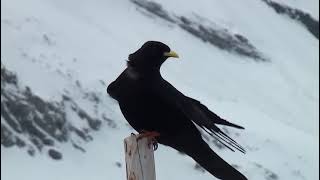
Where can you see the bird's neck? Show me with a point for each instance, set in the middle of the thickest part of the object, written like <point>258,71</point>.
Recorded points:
<point>145,72</point>
<point>145,66</point>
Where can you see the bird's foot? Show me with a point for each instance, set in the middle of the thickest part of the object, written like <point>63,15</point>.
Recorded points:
<point>151,135</point>
<point>153,142</point>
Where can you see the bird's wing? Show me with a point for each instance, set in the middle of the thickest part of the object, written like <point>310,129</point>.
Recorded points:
<point>119,87</point>
<point>115,86</point>
<point>198,113</point>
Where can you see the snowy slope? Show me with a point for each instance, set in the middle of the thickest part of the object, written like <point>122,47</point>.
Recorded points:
<point>58,47</point>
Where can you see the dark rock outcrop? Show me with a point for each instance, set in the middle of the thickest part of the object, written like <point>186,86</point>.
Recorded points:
<point>206,31</point>
<point>29,121</point>
<point>305,19</point>
<point>54,154</point>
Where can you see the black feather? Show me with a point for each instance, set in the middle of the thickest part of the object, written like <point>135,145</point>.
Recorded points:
<point>149,103</point>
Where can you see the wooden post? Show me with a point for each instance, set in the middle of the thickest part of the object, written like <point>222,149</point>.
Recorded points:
<point>139,159</point>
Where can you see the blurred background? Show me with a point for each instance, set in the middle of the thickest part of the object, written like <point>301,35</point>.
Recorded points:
<point>253,62</point>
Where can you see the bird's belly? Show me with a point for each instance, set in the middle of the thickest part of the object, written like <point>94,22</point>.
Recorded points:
<point>151,114</point>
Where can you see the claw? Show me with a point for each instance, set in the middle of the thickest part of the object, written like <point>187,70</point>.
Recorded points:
<point>151,135</point>
<point>155,145</point>
<point>152,142</point>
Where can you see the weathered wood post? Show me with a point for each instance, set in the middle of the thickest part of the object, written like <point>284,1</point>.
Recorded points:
<point>139,159</point>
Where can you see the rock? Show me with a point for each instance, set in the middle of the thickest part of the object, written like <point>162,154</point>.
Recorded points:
<point>206,31</point>
<point>44,122</point>
<point>305,19</point>
<point>54,154</point>
<point>118,164</point>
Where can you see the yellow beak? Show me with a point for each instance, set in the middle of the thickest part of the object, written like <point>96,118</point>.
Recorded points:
<point>171,54</point>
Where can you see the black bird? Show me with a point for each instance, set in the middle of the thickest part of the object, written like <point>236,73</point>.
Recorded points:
<point>154,107</point>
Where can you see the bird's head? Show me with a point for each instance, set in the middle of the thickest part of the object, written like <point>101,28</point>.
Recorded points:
<point>151,56</point>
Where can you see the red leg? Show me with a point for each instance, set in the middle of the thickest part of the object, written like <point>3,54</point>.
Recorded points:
<point>151,135</point>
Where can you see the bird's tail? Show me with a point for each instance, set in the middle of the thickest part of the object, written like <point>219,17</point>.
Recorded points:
<point>209,160</point>
<point>227,123</point>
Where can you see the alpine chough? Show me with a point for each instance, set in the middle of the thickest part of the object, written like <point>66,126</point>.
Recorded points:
<point>154,107</point>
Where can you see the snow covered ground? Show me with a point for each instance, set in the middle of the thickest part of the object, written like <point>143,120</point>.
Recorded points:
<point>50,44</point>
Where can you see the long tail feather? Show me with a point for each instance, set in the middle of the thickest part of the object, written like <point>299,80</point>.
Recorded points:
<point>234,145</point>
<point>210,161</point>
<point>227,123</point>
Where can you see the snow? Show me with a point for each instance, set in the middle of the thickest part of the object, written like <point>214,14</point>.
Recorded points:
<point>51,43</point>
